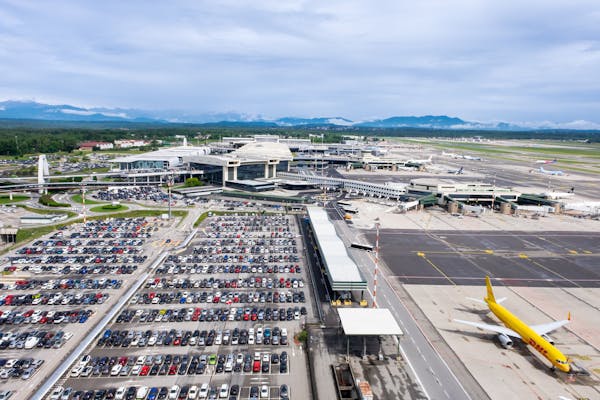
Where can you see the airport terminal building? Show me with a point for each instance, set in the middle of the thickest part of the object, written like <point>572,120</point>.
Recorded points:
<point>256,160</point>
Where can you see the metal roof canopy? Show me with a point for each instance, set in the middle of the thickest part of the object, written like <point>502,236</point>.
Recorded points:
<point>342,271</point>
<point>368,322</point>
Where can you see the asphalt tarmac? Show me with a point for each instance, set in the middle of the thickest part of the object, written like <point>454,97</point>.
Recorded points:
<point>546,259</point>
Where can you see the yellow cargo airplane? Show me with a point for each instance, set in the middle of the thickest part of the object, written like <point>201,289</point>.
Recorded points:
<point>534,335</point>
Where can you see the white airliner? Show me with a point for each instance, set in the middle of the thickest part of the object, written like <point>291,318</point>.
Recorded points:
<point>545,161</point>
<point>426,161</point>
<point>453,155</point>
<point>549,172</point>
<point>474,158</point>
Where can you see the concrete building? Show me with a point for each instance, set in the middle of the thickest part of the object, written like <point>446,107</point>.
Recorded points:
<point>293,143</point>
<point>89,146</point>
<point>255,160</point>
<point>461,191</point>
<point>130,143</point>
<point>168,158</point>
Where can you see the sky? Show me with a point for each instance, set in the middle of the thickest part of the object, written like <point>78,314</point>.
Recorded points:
<point>480,60</point>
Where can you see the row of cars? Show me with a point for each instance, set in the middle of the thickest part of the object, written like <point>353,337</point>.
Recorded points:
<point>63,284</point>
<point>226,297</point>
<point>187,364</point>
<point>34,339</point>
<point>80,249</point>
<point>197,268</point>
<point>179,337</point>
<point>211,314</point>
<point>13,317</point>
<point>56,298</point>
<point>139,193</point>
<point>175,392</point>
<point>221,283</point>
<point>18,368</point>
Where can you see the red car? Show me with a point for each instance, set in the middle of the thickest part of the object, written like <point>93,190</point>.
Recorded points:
<point>145,370</point>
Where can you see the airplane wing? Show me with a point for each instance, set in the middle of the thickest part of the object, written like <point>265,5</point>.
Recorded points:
<point>493,328</point>
<point>542,329</point>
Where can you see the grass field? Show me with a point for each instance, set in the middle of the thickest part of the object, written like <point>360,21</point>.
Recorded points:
<point>16,199</point>
<point>109,208</point>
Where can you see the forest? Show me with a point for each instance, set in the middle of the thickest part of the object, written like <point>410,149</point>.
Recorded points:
<point>19,138</point>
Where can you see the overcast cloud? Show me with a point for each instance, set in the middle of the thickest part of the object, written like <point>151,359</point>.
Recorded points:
<point>509,60</point>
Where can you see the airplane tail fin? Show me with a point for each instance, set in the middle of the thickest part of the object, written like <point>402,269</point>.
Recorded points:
<point>490,293</point>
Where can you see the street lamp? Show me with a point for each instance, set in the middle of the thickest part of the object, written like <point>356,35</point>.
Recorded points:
<point>376,262</point>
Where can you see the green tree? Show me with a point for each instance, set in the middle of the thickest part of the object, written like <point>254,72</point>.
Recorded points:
<point>190,182</point>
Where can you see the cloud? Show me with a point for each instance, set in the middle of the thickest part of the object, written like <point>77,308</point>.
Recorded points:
<point>508,60</point>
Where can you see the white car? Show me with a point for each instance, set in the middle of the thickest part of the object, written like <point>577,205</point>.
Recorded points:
<point>224,391</point>
<point>55,395</point>
<point>264,392</point>
<point>193,393</point>
<point>142,392</point>
<point>173,392</point>
<point>203,391</point>
<point>116,369</point>
<point>77,370</point>
<point>120,393</point>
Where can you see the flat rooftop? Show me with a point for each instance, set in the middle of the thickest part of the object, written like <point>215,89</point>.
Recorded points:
<point>368,322</point>
<point>342,271</point>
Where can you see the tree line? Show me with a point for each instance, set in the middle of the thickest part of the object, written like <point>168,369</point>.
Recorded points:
<point>18,140</point>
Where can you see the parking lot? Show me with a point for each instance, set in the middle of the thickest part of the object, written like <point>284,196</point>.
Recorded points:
<point>54,290</point>
<point>223,311</point>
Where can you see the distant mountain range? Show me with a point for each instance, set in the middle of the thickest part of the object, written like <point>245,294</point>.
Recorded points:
<point>30,110</point>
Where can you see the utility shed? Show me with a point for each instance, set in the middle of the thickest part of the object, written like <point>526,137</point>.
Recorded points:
<point>368,322</point>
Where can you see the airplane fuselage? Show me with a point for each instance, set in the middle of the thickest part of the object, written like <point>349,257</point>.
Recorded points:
<point>530,337</point>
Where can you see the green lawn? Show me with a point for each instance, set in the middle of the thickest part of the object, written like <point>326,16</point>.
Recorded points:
<point>16,199</point>
<point>109,208</point>
<point>78,199</point>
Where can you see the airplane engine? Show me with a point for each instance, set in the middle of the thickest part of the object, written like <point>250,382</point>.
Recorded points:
<point>505,341</point>
<point>548,339</point>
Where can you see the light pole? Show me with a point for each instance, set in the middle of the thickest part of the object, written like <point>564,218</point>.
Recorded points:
<point>376,262</point>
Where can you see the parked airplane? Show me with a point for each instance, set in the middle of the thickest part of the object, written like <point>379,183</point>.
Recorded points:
<point>545,161</point>
<point>456,171</point>
<point>464,157</point>
<point>534,335</point>
<point>426,161</point>
<point>548,172</point>
<point>453,155</point>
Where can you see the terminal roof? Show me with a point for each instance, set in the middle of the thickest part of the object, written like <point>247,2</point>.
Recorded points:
<point>368,322</point>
